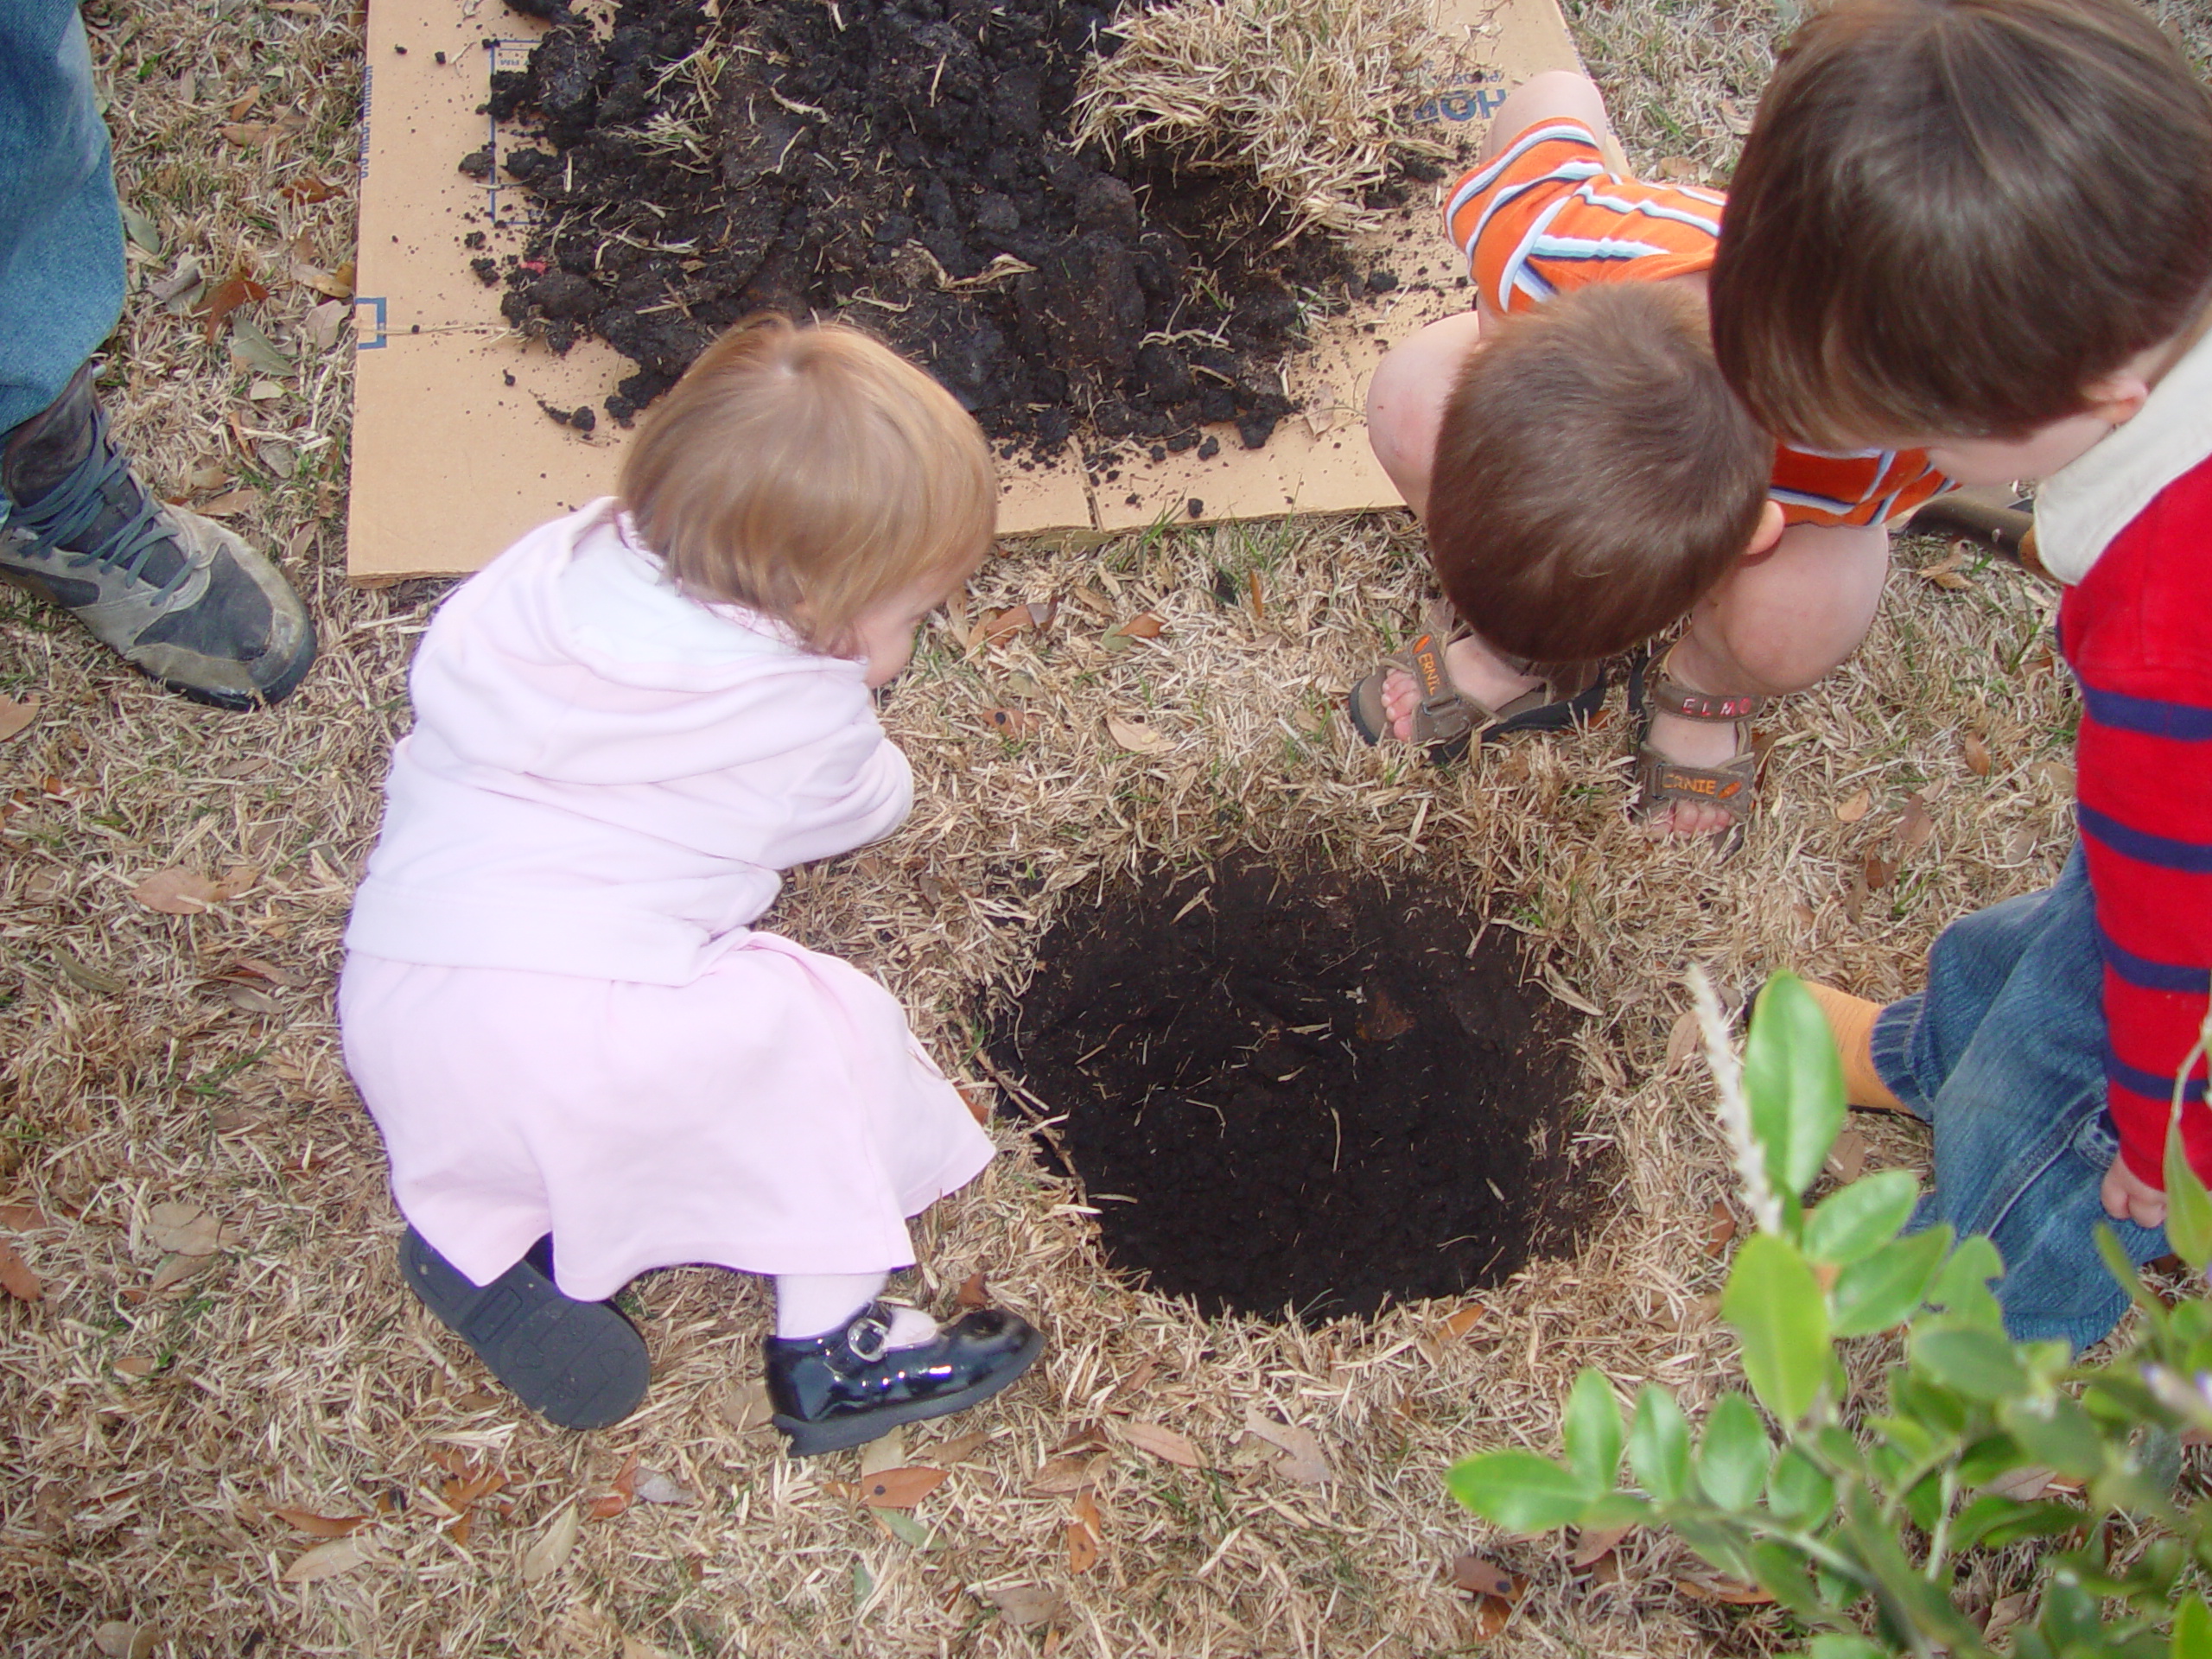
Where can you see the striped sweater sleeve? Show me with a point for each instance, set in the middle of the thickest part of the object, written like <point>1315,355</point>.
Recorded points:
<point>2137,632</point>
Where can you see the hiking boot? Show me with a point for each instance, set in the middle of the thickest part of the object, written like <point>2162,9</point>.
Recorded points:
<point>578,1364</point>
<point>847,1387</point>
<point>177,596</point>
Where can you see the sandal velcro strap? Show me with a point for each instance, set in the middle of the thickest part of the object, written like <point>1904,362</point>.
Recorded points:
<point>1440,700</point>
<point>1670,696</point>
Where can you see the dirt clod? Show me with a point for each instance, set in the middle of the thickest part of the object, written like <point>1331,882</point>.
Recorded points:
<point>1300,1089</point>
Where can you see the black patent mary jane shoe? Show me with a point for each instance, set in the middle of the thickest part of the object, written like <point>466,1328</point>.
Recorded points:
<point>846,1387</point>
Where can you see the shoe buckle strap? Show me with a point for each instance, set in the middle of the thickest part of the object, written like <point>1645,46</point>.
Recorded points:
<point>869,1337</point>
<point>1437,695</point>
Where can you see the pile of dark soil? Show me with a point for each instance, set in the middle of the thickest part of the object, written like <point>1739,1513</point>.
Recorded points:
<point>1301,1091</point>
<point>902,164</point>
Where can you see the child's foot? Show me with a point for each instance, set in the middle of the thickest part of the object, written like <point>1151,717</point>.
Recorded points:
<point>1449,696</point>
<point>1851,1021</point>
<point>1696,770</point>
<point>847,1386</point>
<point>578,1364</point>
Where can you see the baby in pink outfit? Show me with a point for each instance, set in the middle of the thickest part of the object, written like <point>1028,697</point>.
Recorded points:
<point>584,1061</point>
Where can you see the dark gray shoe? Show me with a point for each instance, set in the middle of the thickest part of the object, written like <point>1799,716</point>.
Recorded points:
<point>177,596</point>
<point>579,1365</point>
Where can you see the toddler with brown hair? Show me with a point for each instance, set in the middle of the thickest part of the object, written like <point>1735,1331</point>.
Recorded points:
<point>585,1061</point>
<point>1588,478</point>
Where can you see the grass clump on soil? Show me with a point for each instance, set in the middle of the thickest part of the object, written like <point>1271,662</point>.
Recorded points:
<point>907,165</point>
<point>1307,98</point>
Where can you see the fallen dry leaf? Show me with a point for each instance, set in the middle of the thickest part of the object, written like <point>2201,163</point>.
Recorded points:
<point>1014,722</point>
<point>900,1489</point>
<point>888,1452</point>
<point>1484,1577</point>
<point>545,1557</point>
<point>1879,870</point>
<point>1977,756</point>
<point>1465,1320</point>
<point>229,503</point>
<point>309,190</point>
<point>1134,735</point>
<point>119,1639</point>
<point>2056,775</point>
<point>1917,824</point>
<point>1591,1544</point>
<point>15,716</point>
<point>1024,1606</point>
<point>1682,1037</point>
<point>1855,807</point>
<point>977,1099</point>
<point>137,1366</point>
<point>1303,1462</point>
<point>1721,1229</point>
<point>177,1225</point>
<point>327,1560</point>
<point>21,1217</point>
<point>1945,572</point>
<point>175,892</point>
<point>1082,1548</point>
<point>960,1448</point>
<point>1679,169</point>
<point>322,1525</point>
<point>974,1291</point>
<point>746,1406</point>
<point>1847,1157</point>
<point>174,1269</point>
<point>338,285</point>
<point>1723,1589</point>
<point>1491,1615</point>
<point>2022,1485</point>
<point>225,298</point>
<point>1162,1442</point>
<point>1018,618</point>
<point>1059,1476</point>
<point>17,1279</point>
<point>322,325</point>
<point>625,1493</point>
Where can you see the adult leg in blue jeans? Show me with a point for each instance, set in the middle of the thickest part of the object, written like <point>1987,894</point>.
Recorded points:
<point>176,595</point>
<point>2003,1054</point>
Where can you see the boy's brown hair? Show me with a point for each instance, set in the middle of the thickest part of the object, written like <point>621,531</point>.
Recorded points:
<point>1953,216</point>
<point>811,475</point>
<point>1594,476</point>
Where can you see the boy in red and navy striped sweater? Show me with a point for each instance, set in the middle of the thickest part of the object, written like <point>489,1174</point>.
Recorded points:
<point>1984,226</point>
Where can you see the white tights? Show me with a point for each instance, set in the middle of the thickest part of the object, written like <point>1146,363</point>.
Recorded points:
<point>813,1303</point>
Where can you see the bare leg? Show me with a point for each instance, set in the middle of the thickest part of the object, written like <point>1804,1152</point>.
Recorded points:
<point>1775,624</point>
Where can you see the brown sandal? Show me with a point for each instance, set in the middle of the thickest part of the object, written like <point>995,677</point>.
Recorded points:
<point>1448,722</point>
<point>1734,784</point>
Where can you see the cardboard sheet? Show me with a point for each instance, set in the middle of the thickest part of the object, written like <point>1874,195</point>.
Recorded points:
<point>455,457</point>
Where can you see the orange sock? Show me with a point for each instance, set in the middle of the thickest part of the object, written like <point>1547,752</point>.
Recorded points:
<point>1851,1020</point>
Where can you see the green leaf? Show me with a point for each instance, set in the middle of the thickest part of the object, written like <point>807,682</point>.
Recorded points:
<point>1793,1082</point>
<point>1518,1490</point>
<point>2192,1629</point>
<point>1979,1364</point>
<point>141,229</point>
<point>1970,1270</point>
<point>903,1527</point>
<point>1996,1521</point>
<point>1774,1303</point>
<point>1852,1225</point>
<point>1659,1445</point>
<point>1782,1573</point>
<point>1797,1491</point>
<point>1732,1459</point>
<point>2055,1432</point>
<point>1833,1644</point>
<point>1593,1433</point>
<point>2123,1270</point>
<point>2189,1207</point>
<point>1887,1287</point>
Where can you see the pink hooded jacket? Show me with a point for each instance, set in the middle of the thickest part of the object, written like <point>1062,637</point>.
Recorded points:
<point>606,777</point>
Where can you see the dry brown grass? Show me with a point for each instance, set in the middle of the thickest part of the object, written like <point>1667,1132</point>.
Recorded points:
<point>155,1427</point>
<point>1309,98</point>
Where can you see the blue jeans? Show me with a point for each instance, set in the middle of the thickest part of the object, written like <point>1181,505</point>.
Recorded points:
<point>2004,1054</point>
<point>60,231</point>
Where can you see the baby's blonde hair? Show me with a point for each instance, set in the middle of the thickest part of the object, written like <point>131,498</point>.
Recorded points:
<point>811,475</point>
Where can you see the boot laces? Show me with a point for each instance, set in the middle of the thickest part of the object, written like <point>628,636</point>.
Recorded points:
<point>71,508</point>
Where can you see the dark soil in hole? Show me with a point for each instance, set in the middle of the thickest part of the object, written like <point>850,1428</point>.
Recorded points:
<point>857,158</point>
<point>1301,1089</point>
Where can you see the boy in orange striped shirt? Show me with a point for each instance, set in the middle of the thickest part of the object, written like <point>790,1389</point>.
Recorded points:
<point>1587,479</point>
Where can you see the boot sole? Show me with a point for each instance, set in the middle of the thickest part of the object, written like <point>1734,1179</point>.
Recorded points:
<point>839,1434</point>
<point>577,1365</point>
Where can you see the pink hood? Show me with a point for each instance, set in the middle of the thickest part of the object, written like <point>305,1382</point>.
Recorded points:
<point>605,776</point>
